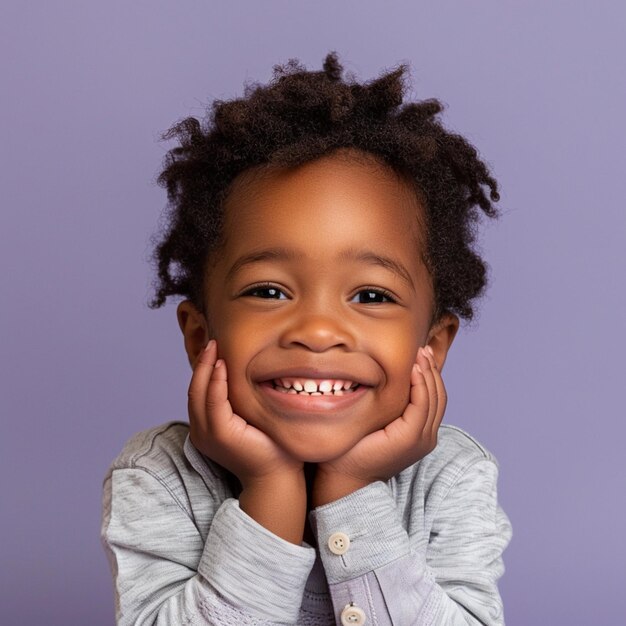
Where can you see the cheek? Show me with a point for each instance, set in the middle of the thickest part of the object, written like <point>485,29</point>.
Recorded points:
<point>399,359</point>
<point>234,337</point>
<point>232,348</point>
<point>238,344</point>
<point>400,351</point>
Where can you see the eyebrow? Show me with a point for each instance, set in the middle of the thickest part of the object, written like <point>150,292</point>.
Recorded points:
<point>269,254</point>
<point>374,258</point>
<point>351,254</point>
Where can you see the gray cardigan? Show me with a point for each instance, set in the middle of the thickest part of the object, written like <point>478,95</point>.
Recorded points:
<point>425,548</point>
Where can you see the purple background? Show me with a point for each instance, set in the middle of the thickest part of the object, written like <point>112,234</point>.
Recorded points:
<point>86,89</point>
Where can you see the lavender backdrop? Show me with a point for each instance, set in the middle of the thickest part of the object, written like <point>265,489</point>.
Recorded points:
<point>86,89</point>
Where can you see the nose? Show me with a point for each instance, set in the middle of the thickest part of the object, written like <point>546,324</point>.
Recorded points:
<point>317,332</point>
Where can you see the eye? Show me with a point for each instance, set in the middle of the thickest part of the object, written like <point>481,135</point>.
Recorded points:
<point>269,292</point>
<point>372,295</point>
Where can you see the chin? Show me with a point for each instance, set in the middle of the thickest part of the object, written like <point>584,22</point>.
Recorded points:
<point>311,451</point>
<point>317,457</point>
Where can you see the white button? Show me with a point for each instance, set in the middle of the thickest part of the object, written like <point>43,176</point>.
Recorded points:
<point>352,615</point>
<point>339,543</point>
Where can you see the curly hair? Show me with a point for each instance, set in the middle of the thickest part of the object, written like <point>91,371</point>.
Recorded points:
<point>301,116</point>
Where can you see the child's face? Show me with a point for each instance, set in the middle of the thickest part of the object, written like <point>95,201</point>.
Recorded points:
<point>321,279</point>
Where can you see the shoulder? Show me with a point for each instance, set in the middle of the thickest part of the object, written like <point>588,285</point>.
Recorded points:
<point>160,468</point>
<point>154,449</point>
<point>160,453</point>
<point>454,442</point>
<point>459,472</point>
<point>455,453</point>
<point>167,454</point>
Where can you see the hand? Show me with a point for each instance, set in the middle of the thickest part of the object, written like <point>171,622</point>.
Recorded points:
<point>384,453</point>
<point>271,480</point>
<point>225,437</point>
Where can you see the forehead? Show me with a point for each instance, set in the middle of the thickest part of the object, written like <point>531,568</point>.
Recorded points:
<point>337,200</point>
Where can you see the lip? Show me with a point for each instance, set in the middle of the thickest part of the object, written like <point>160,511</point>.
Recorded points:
<point>303,404</point>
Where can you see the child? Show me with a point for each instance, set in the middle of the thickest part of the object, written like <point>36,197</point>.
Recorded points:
<point>320,235</point>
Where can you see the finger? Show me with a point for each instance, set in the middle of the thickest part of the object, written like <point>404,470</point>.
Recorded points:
<point>217,392</point>
<point>202,372</point>
<point>409,430</point>
<point>223,424</point>
<point>426,367</point>
<point>419,390</point>
<point>442,396</point>
<point>414,418</point>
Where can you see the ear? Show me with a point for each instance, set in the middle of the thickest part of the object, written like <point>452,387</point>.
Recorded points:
<point>194,328</point>
<point>441,336</point>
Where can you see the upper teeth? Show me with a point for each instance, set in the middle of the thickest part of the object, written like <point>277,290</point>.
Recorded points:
<point>312,386</point>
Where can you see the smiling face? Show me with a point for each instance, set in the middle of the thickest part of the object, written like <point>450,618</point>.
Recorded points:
<point>320,288</point>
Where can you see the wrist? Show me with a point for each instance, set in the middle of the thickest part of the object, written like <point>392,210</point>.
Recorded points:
<point>330,486</point>
<point>283,479</point>
<point>278,503</point>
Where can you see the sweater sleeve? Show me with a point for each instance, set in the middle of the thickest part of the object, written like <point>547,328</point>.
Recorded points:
<point>164,574</point>
<point>380,578</point>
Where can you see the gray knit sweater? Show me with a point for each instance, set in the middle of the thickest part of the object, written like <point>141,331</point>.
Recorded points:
<point>425,548</point>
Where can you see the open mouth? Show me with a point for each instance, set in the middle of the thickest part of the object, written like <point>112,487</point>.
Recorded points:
<point>313,387</point>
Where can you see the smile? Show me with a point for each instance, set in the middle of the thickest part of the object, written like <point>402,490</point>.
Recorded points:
<point>327,396</point>
<point>314,387</point>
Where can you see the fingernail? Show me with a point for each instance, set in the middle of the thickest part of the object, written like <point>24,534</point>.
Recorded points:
<point>430,351</point>
<point>219,363</point>
<point>210,344</point>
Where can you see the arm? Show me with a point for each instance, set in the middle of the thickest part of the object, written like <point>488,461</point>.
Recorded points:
<point>164,573</point>
<point>252,568</point>
<point>269,476</point>
<point>393,581</point>
<point>448,579</point>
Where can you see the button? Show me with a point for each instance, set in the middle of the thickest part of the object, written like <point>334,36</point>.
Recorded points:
<point>339,543</point>
<point>352,614</point>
